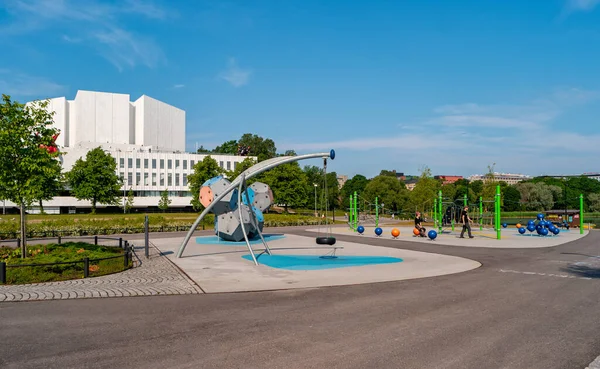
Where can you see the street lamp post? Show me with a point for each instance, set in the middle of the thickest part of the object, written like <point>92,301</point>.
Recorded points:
<point>314,184</point>
<point>124,187</point>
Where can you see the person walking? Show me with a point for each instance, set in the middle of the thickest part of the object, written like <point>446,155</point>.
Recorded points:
<point>466,222</point>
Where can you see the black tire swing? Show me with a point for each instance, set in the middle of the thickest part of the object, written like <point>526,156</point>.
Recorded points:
<point>328,239</point>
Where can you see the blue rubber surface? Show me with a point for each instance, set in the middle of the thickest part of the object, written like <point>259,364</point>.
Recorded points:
<point>214,240</point>
<point>315,262</point>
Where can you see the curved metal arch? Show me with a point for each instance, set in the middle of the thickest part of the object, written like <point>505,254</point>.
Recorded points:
<point>254,170</point>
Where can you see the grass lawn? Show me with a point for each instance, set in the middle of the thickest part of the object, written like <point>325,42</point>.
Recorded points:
<point>55,253</point>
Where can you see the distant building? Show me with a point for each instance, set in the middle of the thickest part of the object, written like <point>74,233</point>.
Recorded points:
<point>448,179</point>
<point>410,184</point>
<point>593,175</point>
<point>509,178</point>
<point>342,179</point>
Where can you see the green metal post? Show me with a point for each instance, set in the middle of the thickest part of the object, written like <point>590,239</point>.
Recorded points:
<point>441,213</point>
<point>435,216</point>
<point>480,213</point>
<point>350,219</point>
<point>355,210</point>
<point>376,213</point>
<point>580,213</point>
<point>498,228</point>
<point>466,200</point>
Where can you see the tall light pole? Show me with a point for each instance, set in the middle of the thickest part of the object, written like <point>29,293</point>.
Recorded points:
<point>314,184</point>
<point>124,186</point>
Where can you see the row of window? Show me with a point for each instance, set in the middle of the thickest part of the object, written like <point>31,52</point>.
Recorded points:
<point>159,194</point>
<point>161,162</point>
<point>161,179</point>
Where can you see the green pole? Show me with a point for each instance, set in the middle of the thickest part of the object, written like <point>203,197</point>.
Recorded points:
<point>435,216</point>
<point>350,218</point>
<point>498,228</point>
<point>580,213</point>
<point>376,213</point>
<point>465,200</point>
<point>441,212</point>
<point>480,213</point>
<point>355,210</point>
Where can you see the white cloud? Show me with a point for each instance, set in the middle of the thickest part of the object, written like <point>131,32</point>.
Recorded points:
<point>19,84</point>
<point>235,75</point>
<point>581,5</point>
<point>95,22</point>
<point>178,86</point>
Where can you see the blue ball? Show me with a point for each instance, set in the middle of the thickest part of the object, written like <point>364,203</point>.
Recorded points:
<point>544,232</point>
<point>531,228</point>
<point>538,230</point>
<point>540,216</point>
<point>522,230</point>
<point>378,231</point>
<point>504,225</point>
<point>531,222</point>
<point>542,223</point>
<point>432,234</point>
<point>360,229</point>
<point>556,231</point>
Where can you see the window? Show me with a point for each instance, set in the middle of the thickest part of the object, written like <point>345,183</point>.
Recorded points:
<point>153,163</point>
<point>228,165</point>
<point>192,164</point>
<point>162,163</point>
<point>129,163</point>
<point>184,179</point>
<point>169,179</point>
<point>162,179</point>
<point>122,175</point>
<point>221,164</point>
<point>185,164</point>
<point>235,165</point>
<point>137,163</point>
<point>129,179</point>
<point>169,164</point>
<point>176,179</point>
<point>137,178</point>
<point>176,164</point>
<point>145,163</point>
<point>153,179</point>
<point>122,163</point>
<point>145,179</point>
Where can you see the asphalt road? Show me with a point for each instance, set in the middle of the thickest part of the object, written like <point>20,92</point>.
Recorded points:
<point>536,308</point>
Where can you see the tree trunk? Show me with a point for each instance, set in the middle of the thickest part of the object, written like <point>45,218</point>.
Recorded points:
<point>93,206</point>
<point>23,232</point>
<point>41,207</point>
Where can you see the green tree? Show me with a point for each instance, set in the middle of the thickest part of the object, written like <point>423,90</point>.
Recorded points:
<point>95,179</point>
<point>129,202</point>
<point>594,201</point>
<point>511,199</point>
<point>25,166</point>
<point>426,189</point>
<point>241,167</point>
<point>535,196</point>
<point>202,150</point>
<point>203,171</point>
<point>357,183</point>
<point>228,147</point>
<point>388,190</point>
<point>388,173</point>
<point>262,148</point>
<point>289,185</point>
<point>49,185</point>
<point>164,202</point>
<point>477,187</point>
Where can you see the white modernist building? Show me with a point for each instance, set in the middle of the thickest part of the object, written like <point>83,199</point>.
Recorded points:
<point>509,178</point>
<point>146,137</point>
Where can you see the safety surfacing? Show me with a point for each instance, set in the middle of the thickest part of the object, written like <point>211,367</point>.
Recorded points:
<point>225,269</point>
<point>214,240</point>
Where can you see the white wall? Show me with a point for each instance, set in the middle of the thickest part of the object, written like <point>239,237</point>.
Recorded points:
<point>159,124</point>
<point>61,115</point>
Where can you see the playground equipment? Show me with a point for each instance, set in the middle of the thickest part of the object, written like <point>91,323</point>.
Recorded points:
<point>354,213</point>
<point>378,231</point>
<point>395,233</point>
<point>432,235</point>
<point>542,228</point>
<point>360,229</point>
<point>328,239</point>
<point>243,198</point>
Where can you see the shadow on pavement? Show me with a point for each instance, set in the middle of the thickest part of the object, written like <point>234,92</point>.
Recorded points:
<point>584,269</point>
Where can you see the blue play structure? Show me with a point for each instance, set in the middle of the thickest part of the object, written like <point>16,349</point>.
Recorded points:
<point>360,229</point>
<point>378,231</point>
<point>542,228</point>
<point>310,262</point>
<point>432,235</point>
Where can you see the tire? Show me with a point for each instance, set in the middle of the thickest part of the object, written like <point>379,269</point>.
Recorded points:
<point>325,241</point>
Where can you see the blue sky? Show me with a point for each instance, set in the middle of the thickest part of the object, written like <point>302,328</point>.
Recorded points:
<point>452,85</point>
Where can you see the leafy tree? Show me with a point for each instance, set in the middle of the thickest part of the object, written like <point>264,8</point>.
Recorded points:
<point>164,202</point>
<point>228,147</point>
<point>512,199</point>
<point>426,189</point>
<point>203,171</point>
<point>477,187</point>
<point>241,167</point>
<point>262,148</point>
<point>333,191</point>
<point>389,192</point>
<point>388,173</point>
<point>535,196</point>
<point>357,183</point>
<point>26,167</point>
<point>129,202</point>
<point>95,179</point>
<point>594,201</point>
<point>289,185</point>
<point>50,186</point>
<point>202,150</point>
<point>449,191</point>
<point>290,153</point>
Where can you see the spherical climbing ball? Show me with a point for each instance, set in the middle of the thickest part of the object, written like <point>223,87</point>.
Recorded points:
<point>504,225</point>
<point>416,232</point>
<point>531,222</point>
<point>378,231</point>
<point>530,227</point>
<point>540,216</point>
<point>432,234</point>
<point>519,225</point>
<point>556,231</point>
<point>360,229</point>
<point>544,231</point>
<point>522,230</point>
<point>395,232</point>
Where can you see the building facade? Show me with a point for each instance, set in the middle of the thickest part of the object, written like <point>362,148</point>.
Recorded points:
<point>146,137</point>
<point>448,179</point>
<point>509,178</point>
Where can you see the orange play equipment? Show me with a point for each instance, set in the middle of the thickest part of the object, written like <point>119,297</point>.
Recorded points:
<point>395,232</point>
<point>416,232</point>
